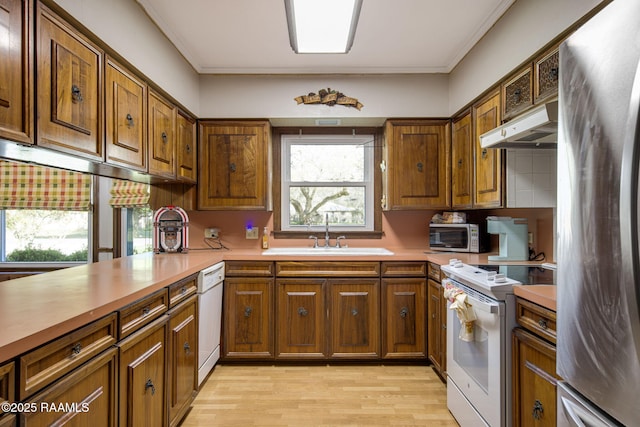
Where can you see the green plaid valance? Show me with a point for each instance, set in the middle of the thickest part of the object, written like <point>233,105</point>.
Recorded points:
<point>128,194</point>
<point>27,186</point>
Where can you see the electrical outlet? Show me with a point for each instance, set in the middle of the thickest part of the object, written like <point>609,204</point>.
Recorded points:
<point>530,239</point>
<point>211,233</point>
<point>252,233</point>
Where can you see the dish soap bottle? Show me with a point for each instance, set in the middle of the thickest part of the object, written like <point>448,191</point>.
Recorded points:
<point>265,238</point>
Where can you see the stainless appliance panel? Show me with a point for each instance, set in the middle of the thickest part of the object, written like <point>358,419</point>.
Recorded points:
<point>598,320</point>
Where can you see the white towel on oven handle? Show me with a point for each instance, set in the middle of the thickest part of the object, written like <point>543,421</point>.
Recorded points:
<point>464,310</point>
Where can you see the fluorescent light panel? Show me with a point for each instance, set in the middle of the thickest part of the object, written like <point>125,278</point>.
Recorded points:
<point>322,26</point>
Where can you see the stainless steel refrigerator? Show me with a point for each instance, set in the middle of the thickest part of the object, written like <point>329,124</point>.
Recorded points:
<point>598,281</point>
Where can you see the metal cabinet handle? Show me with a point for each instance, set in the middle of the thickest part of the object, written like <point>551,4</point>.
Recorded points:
<point>146,310</point>
<point>164,137</point>
<point>187,348</point>
<point>538,410</point>
<point>232,167</point>
<point>554,72</point>
<point>302,311</point>
<point>75,350</point>
<point>247,311</point>
<point>404,311</point>
<point>354,311</point>
<point>76,93</point>
<point>542,323</point>
<point>187,148</point>
<point>183,290</point>
<point>420,166</point>
<point>517,95</point>
<point>459,163</point>
<point>129,120</point>
<point>149,385</point>
<point>484,153</point>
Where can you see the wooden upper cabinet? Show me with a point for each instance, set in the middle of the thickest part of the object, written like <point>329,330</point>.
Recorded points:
<point>16,71</point>
<point>162,137</point>
<point>488,176</point>
<point>546,71</point>
<point>462,163</point>
<point>417,162</point>
<point>69,87</point>
<point>234,165</point>
<point>126,114</point>
<point>187,170</point>
<point>517,93</point>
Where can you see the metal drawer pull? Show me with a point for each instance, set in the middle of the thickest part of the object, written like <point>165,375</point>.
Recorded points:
<point>247,311</point>
<point>149,384</point>
<point>75,350</point>
<point>76,94</point>
<point>183,290</point>
<point>404,311</point>
<point>542,323</point>
<point>146,310</point>
<point>538,410</point>
<point>302,311</point>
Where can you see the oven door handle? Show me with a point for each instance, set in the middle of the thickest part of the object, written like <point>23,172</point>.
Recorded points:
<point>487,307</point>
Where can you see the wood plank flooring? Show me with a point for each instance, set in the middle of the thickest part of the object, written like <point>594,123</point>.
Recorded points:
<point>321,396</point>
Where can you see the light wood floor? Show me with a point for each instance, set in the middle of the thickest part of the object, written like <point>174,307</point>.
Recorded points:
<point>321,396</point>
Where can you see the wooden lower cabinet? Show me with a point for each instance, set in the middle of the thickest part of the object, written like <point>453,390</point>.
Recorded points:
<point>404,318</point>
<point>534,380</point>
<point>182,376</point>
<point>248,319</point>
<point>436,322</point>
<point>86,397</point>
<point>8,420</point>
<point>142,376</point>
<point>354,318</point>
<point>301,325</point>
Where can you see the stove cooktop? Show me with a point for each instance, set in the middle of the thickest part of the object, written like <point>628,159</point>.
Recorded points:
<point>525,274</point>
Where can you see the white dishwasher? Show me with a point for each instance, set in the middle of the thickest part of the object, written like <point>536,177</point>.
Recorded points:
<point>210,320</point>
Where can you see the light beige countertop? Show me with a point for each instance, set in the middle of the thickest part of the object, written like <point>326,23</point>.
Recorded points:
<point>543,295</point>
<point>39,308</point>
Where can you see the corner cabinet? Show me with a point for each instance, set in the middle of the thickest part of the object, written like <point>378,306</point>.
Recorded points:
<point>416,165</point>
<point>69,87</point>
<point>16,72</point>
<point>234,165</point>
<point>489,162</point>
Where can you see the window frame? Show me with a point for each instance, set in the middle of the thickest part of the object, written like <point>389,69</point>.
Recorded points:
<point>277,135</point>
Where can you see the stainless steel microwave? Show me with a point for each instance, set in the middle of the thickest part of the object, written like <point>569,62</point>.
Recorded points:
<point>458,238</point>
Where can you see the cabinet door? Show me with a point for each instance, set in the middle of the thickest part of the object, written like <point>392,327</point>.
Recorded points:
<point>16,75</point>
<point>434,330</point>
<point>404,318</point>
<point>69,88</point>
<point>462,163</point>
<point>354,318</point>
<point>183,365</point>
<point>234,165</point>
<point>186,148</point>
<point>300,318</point>
<point>488,182</point>
<point>534,380</point>
<point>418,165</point>
<point>126,112</point>
<point>142,376</point>
<point>162,139</point>
<point>248,317</point>
<point>87,395</point>
<point>8,420</point>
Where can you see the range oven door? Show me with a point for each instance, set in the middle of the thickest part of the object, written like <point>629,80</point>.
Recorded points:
<point>478,368</point>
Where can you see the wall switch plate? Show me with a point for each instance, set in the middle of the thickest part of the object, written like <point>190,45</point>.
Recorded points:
<point>211,233</point>
<point>530,238</point>
<point>252,233</point>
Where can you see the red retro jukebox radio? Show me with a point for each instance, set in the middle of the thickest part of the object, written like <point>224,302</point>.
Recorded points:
<point>171,230</point>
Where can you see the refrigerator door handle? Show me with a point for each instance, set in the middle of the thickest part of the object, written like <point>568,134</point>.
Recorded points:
<point>578,416</point>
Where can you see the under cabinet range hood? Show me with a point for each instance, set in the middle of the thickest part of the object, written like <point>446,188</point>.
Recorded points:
<point>537,128</point>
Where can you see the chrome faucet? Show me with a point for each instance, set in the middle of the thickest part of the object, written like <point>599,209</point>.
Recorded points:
<point>326,230</point>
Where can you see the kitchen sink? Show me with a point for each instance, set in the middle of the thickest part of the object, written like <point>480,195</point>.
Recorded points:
<point>322,251</point>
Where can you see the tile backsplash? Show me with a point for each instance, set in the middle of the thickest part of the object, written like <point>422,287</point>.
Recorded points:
<point>531,178</point>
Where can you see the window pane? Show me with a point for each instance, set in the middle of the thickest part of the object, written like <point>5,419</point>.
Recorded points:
<point>345,205</point>
<point>327,163</point>
<point>139,225</point>
<point>46,236</point>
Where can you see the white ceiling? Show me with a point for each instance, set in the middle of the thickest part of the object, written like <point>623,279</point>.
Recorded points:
<point>393,36</point>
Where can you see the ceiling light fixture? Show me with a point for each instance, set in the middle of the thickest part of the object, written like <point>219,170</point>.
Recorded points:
<point>322,26</point>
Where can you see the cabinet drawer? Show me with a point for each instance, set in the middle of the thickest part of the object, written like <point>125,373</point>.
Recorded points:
<point>182,290</point>
<point>403,269</point>
<point>536,319</point>
<point>546,73</point>
<point>248,268</point>
<point>8,383</point>
<point>136,315</point>
<point>434,271</point>
<point>46,364</point>
<point>327,269</point>
<point>517,93</point>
